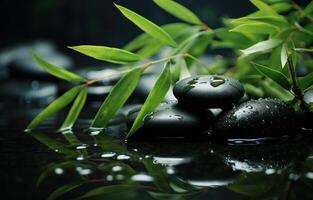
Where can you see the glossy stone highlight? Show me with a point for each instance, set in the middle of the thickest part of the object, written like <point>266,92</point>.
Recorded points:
<point>208,91</point>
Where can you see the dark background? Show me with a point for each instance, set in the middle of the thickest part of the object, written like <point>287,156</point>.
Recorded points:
<point>73,22</point>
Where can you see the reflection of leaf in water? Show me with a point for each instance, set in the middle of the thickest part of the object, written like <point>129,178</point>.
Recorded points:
<point>62,190</point>
<point>54,144</point>
<point>107,167</point>
<point>166,196</point>
<point>110,190</point>
<point>108,144</point>
<point>53,166</point>
<point>161,179</point>
<point>255,184</point>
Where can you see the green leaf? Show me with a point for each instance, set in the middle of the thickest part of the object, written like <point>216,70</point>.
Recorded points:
<point>173,29</point>
<point>306,81</point>
<point>264,7</point>
<point>284,55</point>
<point>117,97</point>
<point>154,98</point>
<point>161,178</point>
<point>262,46</point>
<point>109,54</point>
<point>75,110</point>
<point>275,75</point>
<point>256,28</point>
<point>179,11</point>
<point>110,189</point>
<point>58,72</point>
<point>308,9</point>
<point>62,190</point>
<point>273,20</point>
<point>147,26</point>
<point>55,106</point>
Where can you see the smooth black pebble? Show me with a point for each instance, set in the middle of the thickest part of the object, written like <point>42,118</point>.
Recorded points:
<point>208,91</point>
<point>263,118</point>
<point>169,121</point>
<point>28,92</point>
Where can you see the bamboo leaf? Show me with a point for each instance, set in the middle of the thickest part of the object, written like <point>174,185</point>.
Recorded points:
<point>306,81</point>
<point>62,190</point>
<point>262,46</point>
<point>173,29</point>
<point>179,11</point>
<point>117,97</point>
<point>147,26</point>
<point>154,98</point>
<point>58,72</point>
<point>54,107</point>
<point>273,20</point>
<point>255,27</point>
<point>264,7</point>
<point>275,75</point>
<point>75,110</point>
<point>109,54</point>
<point>283,55</point>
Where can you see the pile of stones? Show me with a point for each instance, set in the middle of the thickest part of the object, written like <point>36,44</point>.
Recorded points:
<point>216,106</point>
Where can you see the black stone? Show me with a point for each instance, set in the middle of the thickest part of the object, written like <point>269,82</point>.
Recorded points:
<point>28,92</point>
<point>22,65</point>
<point>256,119</point>
<point>169,121</point>
<point>208,91</point>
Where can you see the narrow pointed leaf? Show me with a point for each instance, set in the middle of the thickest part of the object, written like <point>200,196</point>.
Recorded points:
<point>147,26</point>
<point>173,29</point>
<point>264,7</point>
<point>275,75</point>
<point>255,27</point>
<point>54,107</point>
<point>154,98</point>
<point>179,11</point>
<point>109,54</point>
<point>117,97</point>
<point>58,72</point>
<point>75,110</point>
<point>306,81</point>
<point>273,20</point>
<point>262,46</point>
<point>62,190</point>
<point>283,55</point>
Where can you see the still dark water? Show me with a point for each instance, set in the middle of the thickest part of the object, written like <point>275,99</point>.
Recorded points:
<point>100,165</point>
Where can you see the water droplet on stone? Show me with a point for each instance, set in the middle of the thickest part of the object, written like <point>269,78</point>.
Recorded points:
<point>217,81</point>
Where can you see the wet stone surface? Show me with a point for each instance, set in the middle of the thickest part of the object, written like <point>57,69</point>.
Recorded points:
<point>171,121</point>
<point>256,119</point>
<point>208,91</point>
